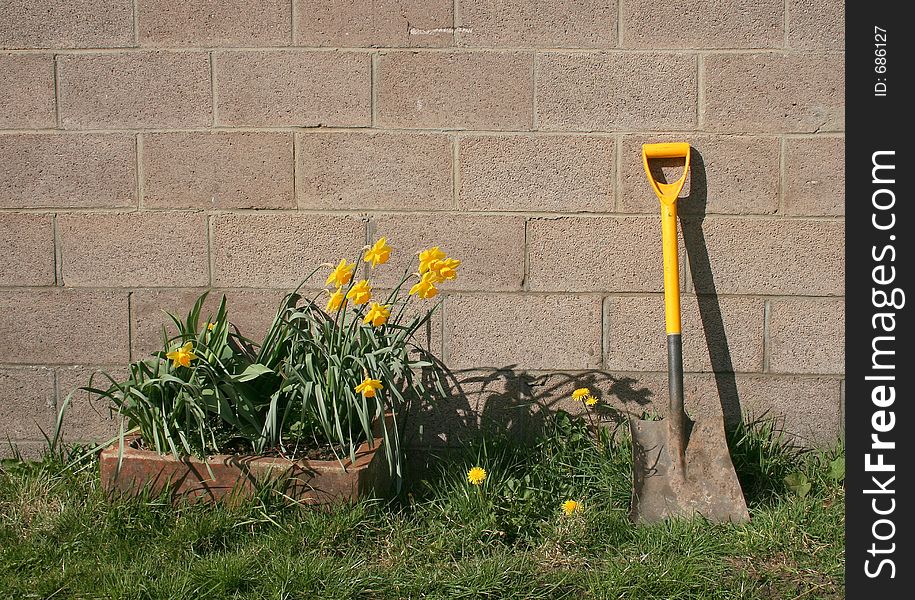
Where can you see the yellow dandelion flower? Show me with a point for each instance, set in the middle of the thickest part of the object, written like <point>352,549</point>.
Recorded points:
<point>591,401</point>
<point>570,506</point>
<point>336,300</point>
<point>360,293</point>
<point>342,274</point>
<point>476,475</point>
<point>379,253</point>
<point>368,387</point>
<point>581,394</point>
<point>377,315</point>
<point>182,356</point>
<point>427,257</point>
<point>425,288</point>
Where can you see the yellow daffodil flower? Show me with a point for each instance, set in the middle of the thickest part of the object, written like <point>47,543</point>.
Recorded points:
<point>476,475</point>
<point>379,253</point>
<point>342,274</point>
<point>335,301</point>
<point>377,315</point>
<point>444,269</point>
<point>426,257</point>
<point>211,326</point>
<point>425,288</point>
<point>182,357</point>
<point>570,506</point>
<point>581,394</point>
<point>360,293</point>
<point>368,387</point>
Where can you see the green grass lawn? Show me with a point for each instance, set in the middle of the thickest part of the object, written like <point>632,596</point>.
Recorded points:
<point>443,538</point>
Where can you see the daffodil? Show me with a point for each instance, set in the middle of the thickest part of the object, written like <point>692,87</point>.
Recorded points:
<point>368,387</point>
<point>377,315</point>
<point>427,257</point>
<point>591,401</point>
<point>360,293</point>
<point>211,326</point>
<point>425,287</point>
<point>182,357</point>
<point>379,253</point>
<point>342,274</point>
<point>476,475</point>
<point>570,506</point>
<point>444,269</point>
<point>581,394</point>
<point>335,301</point>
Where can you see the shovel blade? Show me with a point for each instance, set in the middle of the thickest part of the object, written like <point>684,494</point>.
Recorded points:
<point>706,484</point>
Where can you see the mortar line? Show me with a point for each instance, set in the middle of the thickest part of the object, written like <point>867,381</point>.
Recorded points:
<point>617,173</point>
<point>619,24</point>
<point>373,89</point>
<point>782,208</point>
<point>58,278</point>
<point>295,171</point>
<point>210,256</point>
<point>786,25</point>
<point>455,172</point>
<point>55,74</point>
<point>767,310</point>
<point>292,20</point>
<point>604,338</point>
<point>55,391</point>
<point>130,309</point>
<point>140,174</point>
<point>526,266</point>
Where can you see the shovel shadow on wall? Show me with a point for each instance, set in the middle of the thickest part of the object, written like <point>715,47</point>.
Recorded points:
<point>692,213</point>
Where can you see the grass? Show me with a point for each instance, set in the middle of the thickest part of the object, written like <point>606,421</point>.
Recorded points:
<point>508,538</point>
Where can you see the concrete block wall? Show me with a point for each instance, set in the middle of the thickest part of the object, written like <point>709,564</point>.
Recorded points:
<point>151,149</point>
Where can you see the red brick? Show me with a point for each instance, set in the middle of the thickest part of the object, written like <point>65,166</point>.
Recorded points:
<point>134,90</point>
<point>67,170</point>
<point>455,90</point>
<point>292,88</point>
<point>279,250</point>
<point>709,24</point>
<point>214,23</point>
<point>730,175</point>
<point>63,326</point>
<point>26,403</point>
<point>67,24</point>
<point>365,23</point>
<point>771,95</point>
<point>374,171</point>
<point>540,173</point>
<point>579,254</point>
<point>218,170</point>
<point>490,248</point>
<point>522,331</point>
<point>26,249</point>
<point>133,249</point>
<point>27,91</point>
<point>615,90</point>
<point>807,336</point>
<point>521,23</point>
<point>815,176</point>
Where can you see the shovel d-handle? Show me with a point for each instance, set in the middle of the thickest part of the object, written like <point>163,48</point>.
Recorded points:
<point>667,193</point>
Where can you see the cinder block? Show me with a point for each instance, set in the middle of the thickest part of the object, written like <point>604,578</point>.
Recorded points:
<point>374,171</point>
<point>750,92</point>
<point>728,175</point>
<point>296,88</point>
<point>525,24</point>
<point>766,256</point>
<point>807,336</point>
<point>67,24</point>
<point>63,326</point>
<point>26,403</point>
<point>133,249</point>
<point>87,417</point>
<point>27,91</point>
<point>134,90</point>
<point>218,170</point>
<point>251,311</point>
<point>214,23</point>
<point>816,24</point>
<point>464,90</point>
<point>560,173</point>
<point>67,170</point>
<point>26,249</point>
<point>615,90</point>
<point>719,334</point>
<point>490,248</point>
<point>714,24</point>
<point>586,254</point>
<point>521,331</point>
<point>815,176</point>
<point>368,23</point>
<point>279,250</point>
